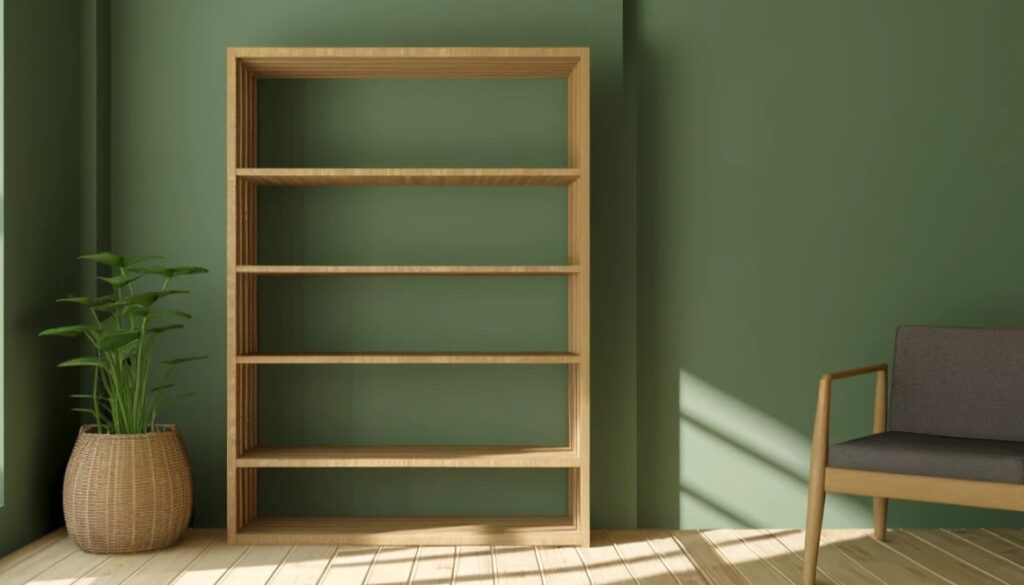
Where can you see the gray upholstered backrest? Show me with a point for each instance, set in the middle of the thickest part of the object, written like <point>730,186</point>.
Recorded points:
<point>958,382</point>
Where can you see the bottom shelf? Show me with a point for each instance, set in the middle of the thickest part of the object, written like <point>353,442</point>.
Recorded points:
<point>415,530</point>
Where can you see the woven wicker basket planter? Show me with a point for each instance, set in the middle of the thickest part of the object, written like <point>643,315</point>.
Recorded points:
<point>127,493</point>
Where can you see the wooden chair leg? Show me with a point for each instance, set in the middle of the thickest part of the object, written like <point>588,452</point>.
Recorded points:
<point>812,536</point>
<point>880,510</point>
<point>816,482</point>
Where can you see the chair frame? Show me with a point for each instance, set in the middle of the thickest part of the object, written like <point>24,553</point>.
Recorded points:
<point>879,485</point>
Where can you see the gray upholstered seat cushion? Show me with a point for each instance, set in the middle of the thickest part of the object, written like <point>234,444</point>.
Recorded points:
<point>896,452</point>
<point>958,382</point>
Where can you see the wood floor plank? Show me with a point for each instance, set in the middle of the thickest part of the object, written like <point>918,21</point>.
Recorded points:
<point>77,564</point>
<point>117,569</point>
<point>938,560</point>
<point>435,565</point>
<point>32,565</point>
<point>304,566</point>
<point>562,566</point>
<point>766,545</point>
<point>350,564</point>
<point>708,560</point>
<point>881,561</point>
<point>832,565</point>
<point>257,566</point>
<point>392,565</point>
<point>517,565</point>
<point>211,566</point>
<point>997,556</point>
<point>602,562</point>
<point>620,557</point>
<point>167,564</point>
<point>474,565</point>
<point>736,552</point>
<point>674,558</point>
<point>640,559</point>
<point>1014,535</point>
<point>35,547</point>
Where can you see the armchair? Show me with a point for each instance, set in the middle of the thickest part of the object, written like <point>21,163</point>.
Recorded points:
<point>950,430</point>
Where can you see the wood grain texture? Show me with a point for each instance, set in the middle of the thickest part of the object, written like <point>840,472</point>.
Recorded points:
<point>310,270</point>
<point>881,560</point>
<point>940,490</point>
<point>244,177</point>
<point>408,62</point>
<point>451,456</point>
<point>410,358</point>
<point>32,548</point>
<point>731,547</point>
<point>474,565</point>
<point>938,560</point>
<point>421,530</point>
<point>715,557</point>
<point>350,564</point>
<point>397,176</point>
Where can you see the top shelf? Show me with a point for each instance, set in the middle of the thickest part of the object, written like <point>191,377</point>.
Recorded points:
<point>424,176</point>
<point>409,62</point>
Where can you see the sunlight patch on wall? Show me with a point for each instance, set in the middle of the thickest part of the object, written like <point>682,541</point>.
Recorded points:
<point>742,468</point>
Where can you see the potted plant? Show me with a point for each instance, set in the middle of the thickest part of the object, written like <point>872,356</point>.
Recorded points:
<point>128,484</point>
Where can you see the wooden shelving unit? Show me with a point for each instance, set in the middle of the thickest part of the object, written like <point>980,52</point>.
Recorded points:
<point>245,456</point>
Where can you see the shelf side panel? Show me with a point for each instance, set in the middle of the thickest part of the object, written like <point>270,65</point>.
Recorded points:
<point>579,288</point>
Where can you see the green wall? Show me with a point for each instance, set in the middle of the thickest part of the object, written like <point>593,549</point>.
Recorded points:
<point>776,187</point>
<point>40,237</point>
<point>812,174</point>
<point>167,153</point>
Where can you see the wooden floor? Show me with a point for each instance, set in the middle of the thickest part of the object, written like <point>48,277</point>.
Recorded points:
<point>713,557</point>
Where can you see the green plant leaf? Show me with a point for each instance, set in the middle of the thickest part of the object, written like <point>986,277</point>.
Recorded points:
<point>182,360</point>
<point>93,362</point>
<point>115,340</point>
<point>137,311</point>
<point>148,298</point>
<point>90,397</point>
<point>110,307</point>
<point>162,328</point>
<point>161,387</point>
<point>119,280</point>
<point>69,330</point>
<point>170,272</point>
<point>86,301</point>
<point>105,258</point>
<point>168,314</point>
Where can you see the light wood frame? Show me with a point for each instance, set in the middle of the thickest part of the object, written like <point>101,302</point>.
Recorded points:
<point>244,176</point>
<point>878,485</point>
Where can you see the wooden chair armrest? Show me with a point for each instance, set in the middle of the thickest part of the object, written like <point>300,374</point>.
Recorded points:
<point>819,440</point>
<point>855,372</point>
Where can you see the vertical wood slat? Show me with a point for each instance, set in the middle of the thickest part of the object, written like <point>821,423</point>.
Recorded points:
<point>233,481</point>
<point>242,307</point>
<point>250,286</point>
<point>579,287</point>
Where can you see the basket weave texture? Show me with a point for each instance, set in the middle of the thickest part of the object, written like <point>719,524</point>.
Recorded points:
<point>127,493</point>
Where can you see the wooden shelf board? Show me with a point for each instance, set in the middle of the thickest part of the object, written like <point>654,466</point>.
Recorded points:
<point>409,456</point>
<point>282,270</point>
<point>408,62</point>
<point>410,176</point>
<point>409,358</point>
<point>414,530</point>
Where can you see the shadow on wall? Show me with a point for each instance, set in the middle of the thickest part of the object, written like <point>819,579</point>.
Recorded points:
<point>739,467</point>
